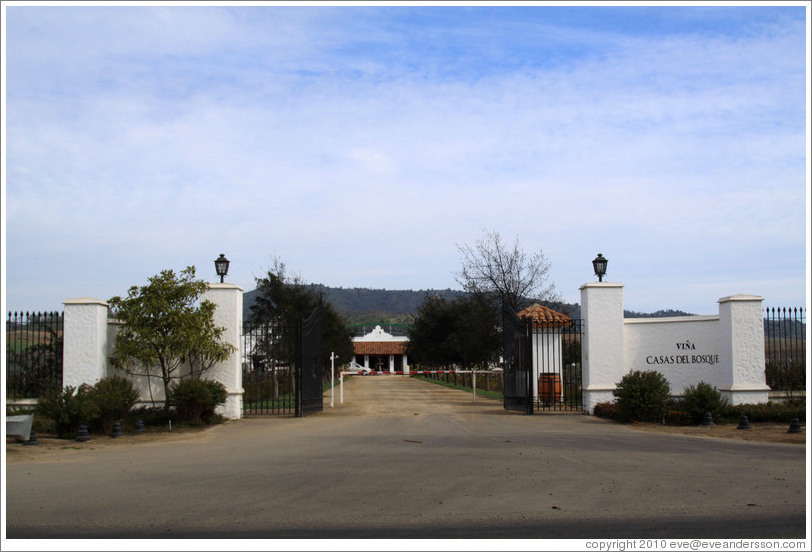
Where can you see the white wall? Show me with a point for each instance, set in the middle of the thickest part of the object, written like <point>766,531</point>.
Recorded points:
<point>725,350</point>
<point>89,338</point>
<point>685,349</point>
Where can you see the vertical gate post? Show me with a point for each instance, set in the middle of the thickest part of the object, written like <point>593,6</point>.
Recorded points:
<point>85,346</point>
<point>228,314</point>
<point>603,349</point>
<point>742,359</point>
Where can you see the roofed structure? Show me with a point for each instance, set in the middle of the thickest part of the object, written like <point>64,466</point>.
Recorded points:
<point>381,351</point>
<point>545,317</point>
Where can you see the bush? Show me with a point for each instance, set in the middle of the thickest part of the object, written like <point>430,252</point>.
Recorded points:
<point>113,397</point>
<point>68,408</point>
<point>149,415</point>
<point>789,376</point>
<point>765,413</point>
<point>702,398</point>
<point>195,400</point>
<point>642,396</point>
<point>607,410</point>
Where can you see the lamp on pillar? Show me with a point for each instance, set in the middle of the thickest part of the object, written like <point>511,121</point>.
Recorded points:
<point>599,264</point>
<point>221,266</point>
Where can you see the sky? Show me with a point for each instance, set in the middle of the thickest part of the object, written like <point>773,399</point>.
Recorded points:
<point>361,145</point>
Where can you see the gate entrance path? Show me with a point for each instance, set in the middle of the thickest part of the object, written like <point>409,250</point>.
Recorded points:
<point>395,395</point>
<point>404,458</point>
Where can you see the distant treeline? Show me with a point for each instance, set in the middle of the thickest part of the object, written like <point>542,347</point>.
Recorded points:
<point>658,314</point>
<point>397,306</point>
<point>360,305</point>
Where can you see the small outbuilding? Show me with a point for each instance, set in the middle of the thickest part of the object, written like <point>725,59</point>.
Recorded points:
<point>547,350</point>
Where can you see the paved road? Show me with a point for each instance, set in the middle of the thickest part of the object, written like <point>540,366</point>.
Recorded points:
<point>407,459</point>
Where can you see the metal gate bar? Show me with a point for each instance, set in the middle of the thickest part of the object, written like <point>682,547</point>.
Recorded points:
<point>518,361</point>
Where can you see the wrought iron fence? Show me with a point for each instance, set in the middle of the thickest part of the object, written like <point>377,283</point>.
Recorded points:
<point>785,348</point>
<point>33,354</point>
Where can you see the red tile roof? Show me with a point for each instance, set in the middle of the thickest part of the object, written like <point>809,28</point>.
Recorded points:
<point>545,317</point>
<point>379,347</point>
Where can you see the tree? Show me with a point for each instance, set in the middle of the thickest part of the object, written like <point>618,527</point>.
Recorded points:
<point>205,350</point>
<point>429,337</point>
<point>165,327</point>
<point>504,272</point>
<point>284,299</point>
<point>463,331</point>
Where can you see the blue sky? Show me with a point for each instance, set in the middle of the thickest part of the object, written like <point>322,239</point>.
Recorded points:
<point>360,145</point>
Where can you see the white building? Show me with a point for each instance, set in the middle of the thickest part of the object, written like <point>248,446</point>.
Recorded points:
<point>380,351</point>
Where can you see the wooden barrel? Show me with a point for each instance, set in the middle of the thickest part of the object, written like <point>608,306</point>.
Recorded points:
<point>549,387</point>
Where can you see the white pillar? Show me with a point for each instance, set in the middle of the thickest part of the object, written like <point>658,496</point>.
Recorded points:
<point>741,327</point>
<point>603,345</point>
<point>405,365</point>
<point>228,298</point>
<point>85,346</point>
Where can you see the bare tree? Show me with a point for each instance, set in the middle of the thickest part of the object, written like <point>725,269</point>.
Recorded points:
<point>498,269</point>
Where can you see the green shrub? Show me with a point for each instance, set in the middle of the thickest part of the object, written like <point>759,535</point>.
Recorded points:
<point>195,400</point>
<point>765,413</point>
<point>149,415</point>
<point>642,396</point>
<point>68,408</point>
<point>218,394</point>
<point>113,397</point>
<point>787,376</point>
<point>607,410</point>
<point>702,398</point>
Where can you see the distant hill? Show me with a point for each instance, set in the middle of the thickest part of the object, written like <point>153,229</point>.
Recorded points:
<point>398,306</point>
<point>364,305</point>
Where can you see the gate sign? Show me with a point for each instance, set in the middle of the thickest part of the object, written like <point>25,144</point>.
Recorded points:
<point>724,350</point>
<point>683,358</point>
<point>687,348</point>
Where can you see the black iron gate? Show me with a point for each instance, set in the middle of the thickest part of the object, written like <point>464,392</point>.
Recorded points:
<point>282,366</point>
<point>268,367</point>
<point>310,390</point>
<point>518,357</point>
<point>557,364</point>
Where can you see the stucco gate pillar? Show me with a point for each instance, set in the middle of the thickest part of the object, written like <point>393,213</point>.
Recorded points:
<point>228,298</point>
<point>741,328</point>
<point>84,354</point>
<point>602,349</point>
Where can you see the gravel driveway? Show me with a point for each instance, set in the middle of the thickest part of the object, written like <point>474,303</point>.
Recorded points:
<point>403,458</point>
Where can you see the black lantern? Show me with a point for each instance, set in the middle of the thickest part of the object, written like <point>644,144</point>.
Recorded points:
<point>600,266</point>
<point>221,266</point>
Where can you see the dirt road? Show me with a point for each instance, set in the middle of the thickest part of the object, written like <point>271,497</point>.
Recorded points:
<point>407,459</point>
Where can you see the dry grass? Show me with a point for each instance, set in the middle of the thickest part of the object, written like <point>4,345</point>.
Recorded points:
<point>760,432</point>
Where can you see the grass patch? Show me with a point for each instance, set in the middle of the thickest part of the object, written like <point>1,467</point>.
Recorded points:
<point>479,392</point>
